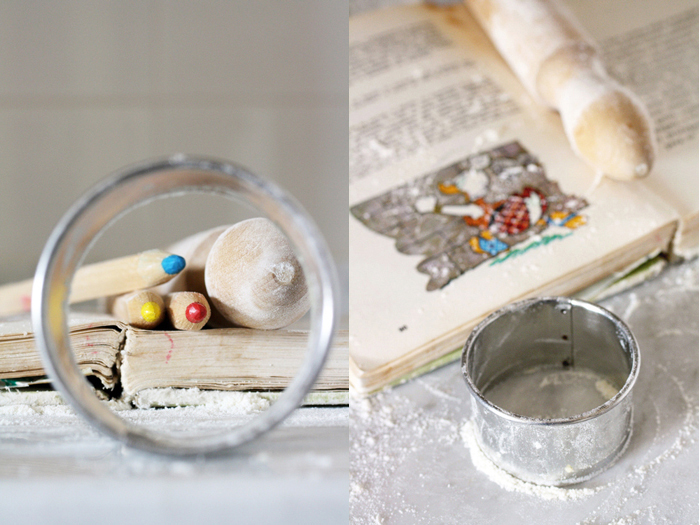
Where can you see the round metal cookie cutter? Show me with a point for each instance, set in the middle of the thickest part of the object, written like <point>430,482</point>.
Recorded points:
<point>135,186</point>
<point>534,369</point>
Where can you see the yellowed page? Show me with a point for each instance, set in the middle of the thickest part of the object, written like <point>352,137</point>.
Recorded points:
<point>653,49</point>
<point>427,90</point>
<point>95,339</point>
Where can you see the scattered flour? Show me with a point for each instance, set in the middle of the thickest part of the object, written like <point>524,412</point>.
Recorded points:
<point>512,484</point>
<point>634,303</point>
<point>414,460</point>
<point>686,434</point>
<point>606,390</point>
<point>16,398</point>
<point>165,406</point>
<point>238,403</point>
<point>234,403</point>
<point>550,391</point>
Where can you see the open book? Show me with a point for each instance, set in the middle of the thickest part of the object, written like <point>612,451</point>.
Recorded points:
<point>443,139</point>
<point>126,360</point>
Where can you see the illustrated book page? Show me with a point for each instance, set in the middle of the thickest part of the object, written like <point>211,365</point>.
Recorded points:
<point>465,194</point>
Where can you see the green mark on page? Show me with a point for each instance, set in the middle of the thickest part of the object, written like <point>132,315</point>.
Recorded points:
<point>544,241</point>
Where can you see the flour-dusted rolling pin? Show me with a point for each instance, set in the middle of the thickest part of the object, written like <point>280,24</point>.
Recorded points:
<point>103,279</point>
<point>605,123</point>
<point>247,271</point>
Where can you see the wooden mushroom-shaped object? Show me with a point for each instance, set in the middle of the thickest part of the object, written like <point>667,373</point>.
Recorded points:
<point>253,278</point>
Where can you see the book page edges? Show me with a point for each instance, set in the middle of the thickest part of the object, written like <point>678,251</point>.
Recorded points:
<point>95,339</point>
<point>237,359</point>
<point>366,381</point>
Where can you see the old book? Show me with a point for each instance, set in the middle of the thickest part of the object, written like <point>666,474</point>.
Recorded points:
<point>128,360</point>
<point>95,338</point>
<point>225,359</point>
<point>465,194</point>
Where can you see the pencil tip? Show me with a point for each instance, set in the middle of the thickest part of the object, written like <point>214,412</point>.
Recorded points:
<point>195,312</point>
<point>173,264</point>
<point>150,311</point>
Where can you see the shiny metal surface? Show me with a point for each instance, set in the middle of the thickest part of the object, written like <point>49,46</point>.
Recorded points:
<point>135,186</point>
<point>561,334</point>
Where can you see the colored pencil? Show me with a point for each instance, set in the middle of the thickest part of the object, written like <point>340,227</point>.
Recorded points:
<point>92,281</point>
<point>187,310</point>
<point>142,309</point>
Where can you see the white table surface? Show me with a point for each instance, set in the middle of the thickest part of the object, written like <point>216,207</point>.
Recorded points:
<point>409,462</point>
<point>54,468</point>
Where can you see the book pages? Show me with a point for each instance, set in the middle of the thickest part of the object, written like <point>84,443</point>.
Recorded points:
<point>224,359</point>
<point>95,339</point>
<point>465,194</point>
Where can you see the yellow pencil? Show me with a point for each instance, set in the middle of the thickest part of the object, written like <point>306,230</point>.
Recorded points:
<point>605,123</point>
<point>187,310</point>
<point>114,277</point>
<point>142,309</point>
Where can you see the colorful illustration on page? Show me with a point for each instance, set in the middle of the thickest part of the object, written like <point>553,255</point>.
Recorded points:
<point>474,211</point>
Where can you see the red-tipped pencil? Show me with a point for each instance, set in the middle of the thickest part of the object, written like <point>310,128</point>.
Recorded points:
<point>187,310</point>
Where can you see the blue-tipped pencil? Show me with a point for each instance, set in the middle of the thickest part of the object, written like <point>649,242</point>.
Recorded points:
<point>114,277</point>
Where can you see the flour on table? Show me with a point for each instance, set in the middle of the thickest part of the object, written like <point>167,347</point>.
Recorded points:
<point>513,484</point>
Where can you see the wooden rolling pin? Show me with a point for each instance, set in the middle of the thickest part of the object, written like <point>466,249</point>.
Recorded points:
<point>253,277</point>
<point>248,273</point>
<point>605,123</point>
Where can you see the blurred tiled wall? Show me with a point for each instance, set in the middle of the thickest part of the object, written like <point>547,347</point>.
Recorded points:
<point>89,86</point>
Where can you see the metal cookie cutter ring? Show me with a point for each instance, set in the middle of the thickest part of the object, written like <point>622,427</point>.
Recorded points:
<point>551,382</point>
<point>135,186</point>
